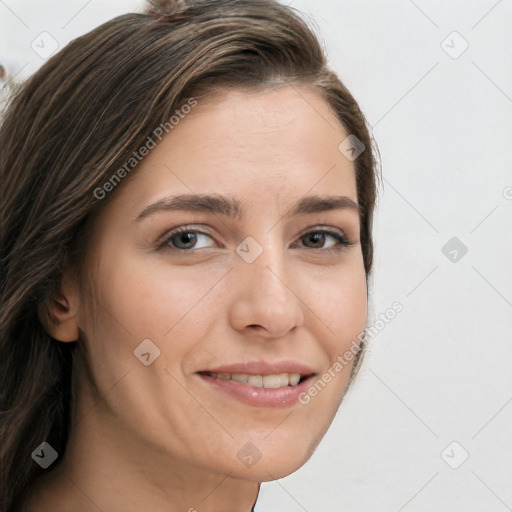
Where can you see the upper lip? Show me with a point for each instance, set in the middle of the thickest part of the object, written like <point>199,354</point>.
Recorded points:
<point>262,368</point>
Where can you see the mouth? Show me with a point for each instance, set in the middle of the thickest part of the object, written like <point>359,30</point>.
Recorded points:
<point>260,384</point>
<point>266,381</point>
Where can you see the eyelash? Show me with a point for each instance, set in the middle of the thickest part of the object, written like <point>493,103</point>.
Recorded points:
<point>164,242</point>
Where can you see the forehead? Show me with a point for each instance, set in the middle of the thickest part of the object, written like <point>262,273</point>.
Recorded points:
<point>260,145</point>
<point>264,124</point>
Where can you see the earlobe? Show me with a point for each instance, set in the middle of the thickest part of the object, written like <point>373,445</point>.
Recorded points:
<point>59,315</point>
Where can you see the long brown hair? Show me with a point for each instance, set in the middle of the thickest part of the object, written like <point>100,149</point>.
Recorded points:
<point>80,117</point>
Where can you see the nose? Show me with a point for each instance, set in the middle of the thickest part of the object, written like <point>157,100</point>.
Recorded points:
<point>267,300</point>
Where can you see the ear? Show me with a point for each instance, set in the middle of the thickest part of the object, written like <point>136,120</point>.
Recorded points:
<point>59,315</point>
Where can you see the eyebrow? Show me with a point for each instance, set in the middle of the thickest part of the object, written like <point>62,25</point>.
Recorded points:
<point>232,207</point>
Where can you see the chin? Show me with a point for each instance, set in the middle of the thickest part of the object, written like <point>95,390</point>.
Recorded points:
<point>264,472</point>
<point>277,471</point>
<point>271,462</point>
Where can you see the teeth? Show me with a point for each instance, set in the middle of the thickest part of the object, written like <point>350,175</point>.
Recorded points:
<point>271,381</point>
<point>256,380</point>
<point>294,379</point>
<point>262,381</point>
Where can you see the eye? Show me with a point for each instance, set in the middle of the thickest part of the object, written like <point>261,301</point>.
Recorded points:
<point>318,238</point>
<point>183,238</point>
<point>186,238</point>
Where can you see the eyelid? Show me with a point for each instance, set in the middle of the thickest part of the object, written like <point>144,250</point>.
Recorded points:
<point>325,228</point>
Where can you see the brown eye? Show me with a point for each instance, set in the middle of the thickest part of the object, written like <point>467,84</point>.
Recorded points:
<point>317,240</point>
<point>183,239</point>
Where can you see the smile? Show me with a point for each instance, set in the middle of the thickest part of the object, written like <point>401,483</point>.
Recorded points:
<point>260,383</point>
<point>275,381</point>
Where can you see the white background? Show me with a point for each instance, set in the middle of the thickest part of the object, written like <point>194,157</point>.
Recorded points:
<point>441,371</point>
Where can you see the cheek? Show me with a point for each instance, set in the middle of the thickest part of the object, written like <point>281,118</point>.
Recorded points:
<point>167,304</point>
<point>351,311</point>
<point>340,301</point>
<point>341,304</point>
<point>150,298</point>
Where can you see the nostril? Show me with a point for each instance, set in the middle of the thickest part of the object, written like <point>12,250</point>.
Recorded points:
<point>256,327</point>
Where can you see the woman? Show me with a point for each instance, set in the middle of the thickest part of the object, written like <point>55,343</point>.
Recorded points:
<point>186,247</point>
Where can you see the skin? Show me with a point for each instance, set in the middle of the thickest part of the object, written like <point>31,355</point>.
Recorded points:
<point>158,437</point>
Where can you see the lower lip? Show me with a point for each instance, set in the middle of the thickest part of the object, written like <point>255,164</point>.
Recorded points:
<point>259,397</point>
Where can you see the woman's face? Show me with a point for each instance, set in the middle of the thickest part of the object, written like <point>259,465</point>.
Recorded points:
<point>249,293</point>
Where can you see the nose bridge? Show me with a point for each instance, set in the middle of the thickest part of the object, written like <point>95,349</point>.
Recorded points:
<point>267,263</point>
<point>265,293</point>
<point>269,272</point>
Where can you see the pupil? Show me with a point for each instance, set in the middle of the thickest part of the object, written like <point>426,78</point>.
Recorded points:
<point>317,238</point>
<point>187,238</point>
